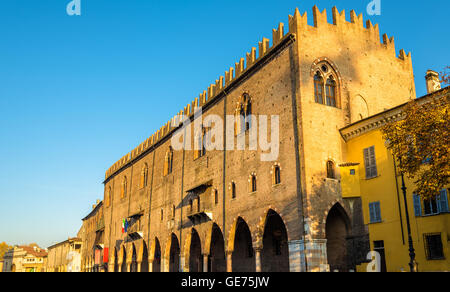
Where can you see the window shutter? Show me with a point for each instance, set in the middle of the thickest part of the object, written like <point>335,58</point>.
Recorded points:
<point>370,162</point>
<point>367,162</point>
<point>417,206</point>
<point>373,163</point>
<point>443,202</point>
<point>377,212</point>
<point>372,212</point>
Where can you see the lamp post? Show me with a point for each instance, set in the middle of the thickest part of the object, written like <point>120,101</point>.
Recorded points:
<point>412,254</point>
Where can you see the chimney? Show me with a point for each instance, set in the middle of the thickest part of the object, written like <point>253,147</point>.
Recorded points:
<point>433,82</point>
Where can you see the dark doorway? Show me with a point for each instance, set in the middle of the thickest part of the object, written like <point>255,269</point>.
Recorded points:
<point>134,264</point>
<point>124,261</point>
<point>116,260</point>
<point>195,256</point>
<point>336,234</point>
<point>144,263</point>
<point>174,260</point>
<point>217,261</point>
<point>156,266</point>
<point>243,259</point>
<point>275,253</point>
<point>379,247</point>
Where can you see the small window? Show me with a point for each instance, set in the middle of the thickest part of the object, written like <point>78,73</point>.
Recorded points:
<point>162,214</point>
<point>375,212</point>
<point>124,187</point>
<point>352,171</point>
<point>216,197</point>
<point>144,176</point>
<point>108,197</point>
<point>173,211</point>
<point>277,175</point>
<point>191,205</point>
<point>330,169</point>
<point>168,162</point>
<point>433,246</point>
<point>370,162</point>
<point>247,111</point>
<point>253,183</point>
<point>204,133</point>
<point>198,205</point>
<point>430,207</point>
<point>233,190</point>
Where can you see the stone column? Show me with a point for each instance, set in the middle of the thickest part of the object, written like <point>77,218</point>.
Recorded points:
<point>150,266</point>
<point>181,267</point>
<point>308,255</point>
<point>205,263</point>
<point>296,256</point>
<point>139,267</point>
<point>229,261</point>
<point>164,265</point>
<point>258,259</point>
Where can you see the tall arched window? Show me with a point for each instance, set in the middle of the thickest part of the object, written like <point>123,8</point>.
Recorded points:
<point>318,88</point>
<point>330,90</point>
<point>242,114</point>
<point>330,169</point>
<point>326,92</point>
<point>247,109</point>
<point>216,197</point>
<point>253,183</point>
<point>123,193</point>
<point>168,162</point>
<point>276,175</point>
<point>199,147</point>
<point>108,197</point>
<point>144,176</point>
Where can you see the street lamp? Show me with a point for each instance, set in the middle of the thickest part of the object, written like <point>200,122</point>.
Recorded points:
<point>412,254</point>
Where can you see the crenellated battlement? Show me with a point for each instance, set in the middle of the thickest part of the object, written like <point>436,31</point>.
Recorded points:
<point>298,24</point>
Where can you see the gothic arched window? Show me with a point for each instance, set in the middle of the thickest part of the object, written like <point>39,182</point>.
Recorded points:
<point>326,92</point>
<point>123,193</point>
<point>108,197</point>
<point>168,162</point>
<point>144,176</point>
<point>247,109</point>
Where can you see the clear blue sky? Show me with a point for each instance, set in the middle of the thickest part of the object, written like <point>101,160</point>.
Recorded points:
<point>79,92</point>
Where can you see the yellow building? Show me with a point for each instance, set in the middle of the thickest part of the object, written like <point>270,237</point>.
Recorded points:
<point>372,175</point>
